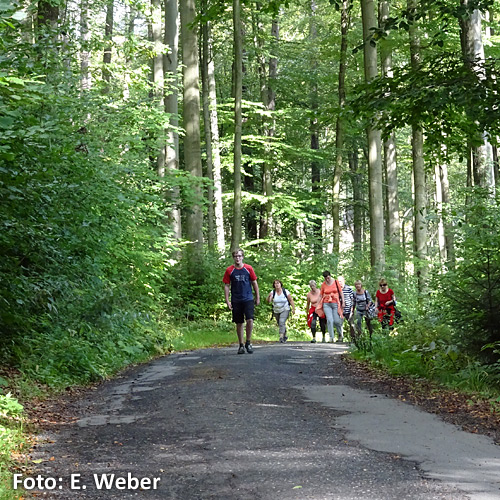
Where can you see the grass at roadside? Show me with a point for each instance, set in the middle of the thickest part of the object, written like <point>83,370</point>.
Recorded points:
<point>208,334</point>
<point>434,357</point>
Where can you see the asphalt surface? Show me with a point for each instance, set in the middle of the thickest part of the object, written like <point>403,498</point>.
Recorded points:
<point>283,423</point>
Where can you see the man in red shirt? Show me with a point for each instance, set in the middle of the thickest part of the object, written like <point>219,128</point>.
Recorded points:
<point>239,279</point>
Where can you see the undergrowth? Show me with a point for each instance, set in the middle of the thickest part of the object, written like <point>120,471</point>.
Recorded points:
<point>431,352</point>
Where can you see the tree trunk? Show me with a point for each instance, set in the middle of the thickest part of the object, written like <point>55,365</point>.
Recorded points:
<point>417,143</point>
<point>438,175</point>
<point>170,65</point>
<point>158,76</point>
<point>448,227</point>
<point>47,16</point>
<point>496,166</point>
<point>208,131</point>
<point>316,186</point>
<point>357,195</point>
<point>390,163</point>
<point>108,37</point>
<point>214,127</point>
<point>377,253</point>
<point>473,53</point>
<point>191,118</point>
<point>238,89</point>
<point>84,43</point>
<point>269,101</point>
<point>215,214</point>
<point>339,137</point>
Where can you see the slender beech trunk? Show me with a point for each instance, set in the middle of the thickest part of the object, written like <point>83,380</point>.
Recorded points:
<point>84,42</point>
<point>440,217</point>
<point>473,54</point>
<point>238,89</point>
<point>445,197</point>
<point>269,101</point>
<point>158,76</point>
<point>339,137</point>
<point>377,251</point>
<point>496,166</point>
<point>417,143</point>
<point>191,118</point>
<point>171,68</point>
<point>357,195</point>
<point>208,131</point>
<point>316,186</point>
<point>129,33</point>
<point>215,213</point>
<point>390,163</point>
<point>108,37</point>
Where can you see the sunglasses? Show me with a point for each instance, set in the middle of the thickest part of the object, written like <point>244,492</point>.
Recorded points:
<point>383,284</point>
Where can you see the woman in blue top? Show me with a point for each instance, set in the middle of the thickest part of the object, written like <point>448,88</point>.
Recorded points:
<point>362,299</point>
<point>282,304</point>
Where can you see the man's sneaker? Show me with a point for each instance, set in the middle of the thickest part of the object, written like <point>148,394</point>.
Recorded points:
<point>241,350</point>
<point>285,338</point>
<point>249,348</point>
<point>282,339</point>
<point>313,341</point>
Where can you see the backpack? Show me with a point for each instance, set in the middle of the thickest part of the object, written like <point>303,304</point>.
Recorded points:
<point>371,310</point>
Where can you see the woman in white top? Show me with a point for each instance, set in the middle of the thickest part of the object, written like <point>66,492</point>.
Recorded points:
<point>282,304</point>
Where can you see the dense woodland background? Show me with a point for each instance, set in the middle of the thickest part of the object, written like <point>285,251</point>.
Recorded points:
<point>141,141</point>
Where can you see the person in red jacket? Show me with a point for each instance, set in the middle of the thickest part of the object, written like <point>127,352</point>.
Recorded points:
<point>385,302</point>
<point>239,279</point>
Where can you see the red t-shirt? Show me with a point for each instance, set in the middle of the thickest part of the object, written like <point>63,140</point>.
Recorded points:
<point>385,297</point>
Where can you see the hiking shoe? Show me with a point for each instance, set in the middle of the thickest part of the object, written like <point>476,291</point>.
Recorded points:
<point>313,341</point>
<point>324,340</point>
<point>282,339</point>
<point>249,348</point>
<point>285,338</point>
<point>241,350</point>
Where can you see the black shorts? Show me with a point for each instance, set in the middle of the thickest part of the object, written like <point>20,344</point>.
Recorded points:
<point>242,310</point>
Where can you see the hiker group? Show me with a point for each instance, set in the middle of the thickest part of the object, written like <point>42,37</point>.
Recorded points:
<point>330,305</point>
<point>336,302</point>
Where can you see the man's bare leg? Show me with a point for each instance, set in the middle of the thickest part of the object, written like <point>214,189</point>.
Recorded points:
<point>239,332</point>
<point>249,328</point>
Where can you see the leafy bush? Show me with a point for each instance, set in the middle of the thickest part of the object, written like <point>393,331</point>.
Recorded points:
<point>469,294</point>
<point>83,238</point>
<point>12,440</point>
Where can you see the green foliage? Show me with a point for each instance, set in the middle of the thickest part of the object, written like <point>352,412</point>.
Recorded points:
<point>12,440</point>
<point>469,294</point>
<point>82,238</point>
<point>426,350</point>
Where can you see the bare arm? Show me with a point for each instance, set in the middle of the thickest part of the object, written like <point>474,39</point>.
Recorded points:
<point>255,286</point>
<point>226,294</point>
<point>292,304</point>
<point>393,301</point>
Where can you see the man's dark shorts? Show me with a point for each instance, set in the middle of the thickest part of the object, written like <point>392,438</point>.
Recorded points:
<point>242,310</point>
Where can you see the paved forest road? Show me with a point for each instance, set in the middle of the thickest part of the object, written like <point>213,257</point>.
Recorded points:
<point>283,423</point>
